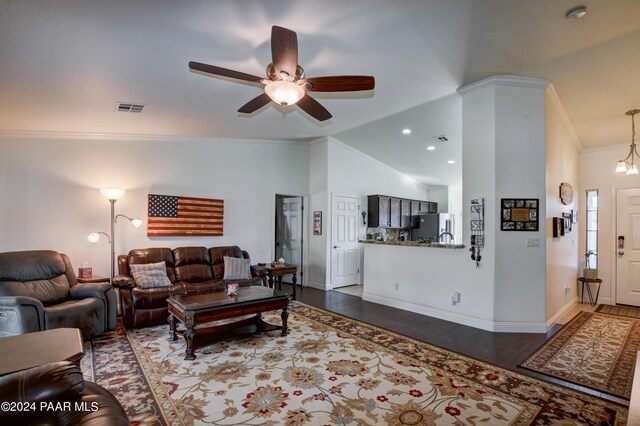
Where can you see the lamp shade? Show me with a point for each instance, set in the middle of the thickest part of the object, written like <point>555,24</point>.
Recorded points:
<point>284,92</point>
<point>93,237</point>
<point>621,167</point>
<point>112,193</point>
<point>136,222</point>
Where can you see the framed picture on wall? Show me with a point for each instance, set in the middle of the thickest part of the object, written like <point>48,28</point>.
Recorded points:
<point>519,214</point>
<point>567,222</point>
<point>317,223</point>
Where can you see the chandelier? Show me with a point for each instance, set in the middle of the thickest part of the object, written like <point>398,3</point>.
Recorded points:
<point>630,164</point>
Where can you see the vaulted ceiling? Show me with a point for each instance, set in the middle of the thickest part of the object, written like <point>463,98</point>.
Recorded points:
<point>65,64</point>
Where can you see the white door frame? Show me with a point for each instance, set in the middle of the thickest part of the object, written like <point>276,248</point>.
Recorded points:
<point>302,280</point>
<point>329,221</point>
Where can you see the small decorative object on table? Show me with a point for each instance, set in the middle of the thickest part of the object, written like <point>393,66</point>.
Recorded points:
<point>85,271</point>
<point>232,289</point>
<point>588,272</point>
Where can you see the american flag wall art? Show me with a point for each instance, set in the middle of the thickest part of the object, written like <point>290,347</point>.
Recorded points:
<point>172,216</point>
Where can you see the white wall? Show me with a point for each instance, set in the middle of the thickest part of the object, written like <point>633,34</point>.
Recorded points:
<point>336,168</point>
<point>563,160</point>
<point>49,196</point>
<point>520,173</point>
<point>318,194</point>
<point>597,172</point>
<point>504,157</point>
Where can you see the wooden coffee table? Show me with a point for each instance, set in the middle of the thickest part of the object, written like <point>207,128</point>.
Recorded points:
<point>198,311</point>
<point>39,348</point>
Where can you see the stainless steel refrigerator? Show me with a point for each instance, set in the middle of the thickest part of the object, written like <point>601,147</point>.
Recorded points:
<point>432,225</point>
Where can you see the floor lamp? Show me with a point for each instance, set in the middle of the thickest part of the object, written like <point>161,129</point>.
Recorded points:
<point>113,195</point>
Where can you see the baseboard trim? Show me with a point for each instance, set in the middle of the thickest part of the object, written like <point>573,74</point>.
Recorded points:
<point>566,308</point>
<point>319,286</point>
<point>483,324</point>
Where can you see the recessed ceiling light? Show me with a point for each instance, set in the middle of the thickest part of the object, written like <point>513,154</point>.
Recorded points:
<point>575,13</point>
<point>451,162</point>
<point>431,148</point>
<point>406,131</point>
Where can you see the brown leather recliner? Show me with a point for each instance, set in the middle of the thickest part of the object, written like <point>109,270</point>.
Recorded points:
<point>190,270</point>
<point>56,394</point>
<point>39,291</point>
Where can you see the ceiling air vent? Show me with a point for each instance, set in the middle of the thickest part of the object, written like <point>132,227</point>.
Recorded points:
<point>441,138</point>
<point>129,107</point>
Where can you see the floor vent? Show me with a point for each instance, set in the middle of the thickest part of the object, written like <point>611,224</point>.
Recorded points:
<point>129,107</point>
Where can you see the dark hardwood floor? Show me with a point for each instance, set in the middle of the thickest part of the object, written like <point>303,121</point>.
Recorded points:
<point>505,350</point>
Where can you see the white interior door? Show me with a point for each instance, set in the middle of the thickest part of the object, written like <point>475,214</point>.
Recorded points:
<point>289,230</point>
<point>345,254</point>
<point>628,256</point>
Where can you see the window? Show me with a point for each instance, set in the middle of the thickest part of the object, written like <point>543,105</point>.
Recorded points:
<point>592,229</point>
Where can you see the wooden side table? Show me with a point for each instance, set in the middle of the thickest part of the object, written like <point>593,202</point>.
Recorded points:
<point>587,281</point>
<point>279,271</point>
<point>39,348</point>
<point>94,279</point>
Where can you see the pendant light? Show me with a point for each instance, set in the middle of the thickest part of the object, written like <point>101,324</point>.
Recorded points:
<point>630,164</point>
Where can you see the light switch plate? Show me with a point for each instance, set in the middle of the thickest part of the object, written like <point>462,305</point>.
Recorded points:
<point>532,242</point>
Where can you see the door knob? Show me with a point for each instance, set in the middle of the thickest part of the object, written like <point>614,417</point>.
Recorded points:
<point>620,253</point>
<point>336,246</point>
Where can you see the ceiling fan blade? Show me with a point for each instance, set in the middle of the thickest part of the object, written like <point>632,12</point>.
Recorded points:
<point>338,83</point>
<point>255,104</point>
<point>313,108</point>
<point>223,72</point>
<point>284,50</point>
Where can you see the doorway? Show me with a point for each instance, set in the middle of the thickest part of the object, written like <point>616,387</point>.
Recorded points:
<point>288,231</point>
<point>628,246</point>
<point>345,249</point>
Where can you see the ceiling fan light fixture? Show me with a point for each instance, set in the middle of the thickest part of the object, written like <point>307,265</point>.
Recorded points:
<point>283,92</point>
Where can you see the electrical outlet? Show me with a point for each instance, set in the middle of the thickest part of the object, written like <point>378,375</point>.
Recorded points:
<point>455,298</point>
<point>567,290</point>
<point>397,286</point>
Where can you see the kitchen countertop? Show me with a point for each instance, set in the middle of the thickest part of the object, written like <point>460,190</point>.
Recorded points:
<point>414,244</point>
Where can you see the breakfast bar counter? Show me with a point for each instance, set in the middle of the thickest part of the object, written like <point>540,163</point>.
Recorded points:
<point>414,244</point>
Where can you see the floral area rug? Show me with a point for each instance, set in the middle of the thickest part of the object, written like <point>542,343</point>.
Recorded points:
<point>594,350</point>
<point>329,370</point>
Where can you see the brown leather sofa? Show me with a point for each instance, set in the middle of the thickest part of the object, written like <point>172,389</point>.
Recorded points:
<point>39,291</point>
<point>190,270</point>
<point>56,394</point>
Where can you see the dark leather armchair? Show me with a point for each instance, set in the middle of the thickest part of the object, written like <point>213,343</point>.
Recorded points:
<point>39,291</point>
<point>67,398</point>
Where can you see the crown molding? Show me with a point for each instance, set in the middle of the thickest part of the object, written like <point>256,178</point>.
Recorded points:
<point>24,134</point>
<point>564,118</point>
<point>505,80</point>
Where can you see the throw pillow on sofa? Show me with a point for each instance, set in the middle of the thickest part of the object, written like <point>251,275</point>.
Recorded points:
<point>150,275</point>
<point>236,268</point>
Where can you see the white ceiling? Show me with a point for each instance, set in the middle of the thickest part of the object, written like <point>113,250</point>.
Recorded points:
<point>64,64</point>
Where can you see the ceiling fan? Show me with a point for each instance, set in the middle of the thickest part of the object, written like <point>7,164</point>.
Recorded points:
<point>285,83</point>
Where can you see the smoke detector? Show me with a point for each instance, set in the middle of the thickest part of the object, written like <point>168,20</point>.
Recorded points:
<point>129,107</point>
<point>575,13</point>
<point>441,138</point>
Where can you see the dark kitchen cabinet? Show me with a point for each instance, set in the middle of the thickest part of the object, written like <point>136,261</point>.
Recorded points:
<point>394,221</point>
<point>379,211</point>
<point>428,206</point>
<point>405,213</point>
<point>391,212</point>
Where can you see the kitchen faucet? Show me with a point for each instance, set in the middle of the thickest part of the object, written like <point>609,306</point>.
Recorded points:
<point>443,234</point>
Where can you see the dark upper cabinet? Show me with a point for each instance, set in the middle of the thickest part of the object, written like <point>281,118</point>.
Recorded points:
<point>391,212</point>
<point>394,221</point>
<point>428,206</point>
<point>405,213</point>
<point>379,211</point>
